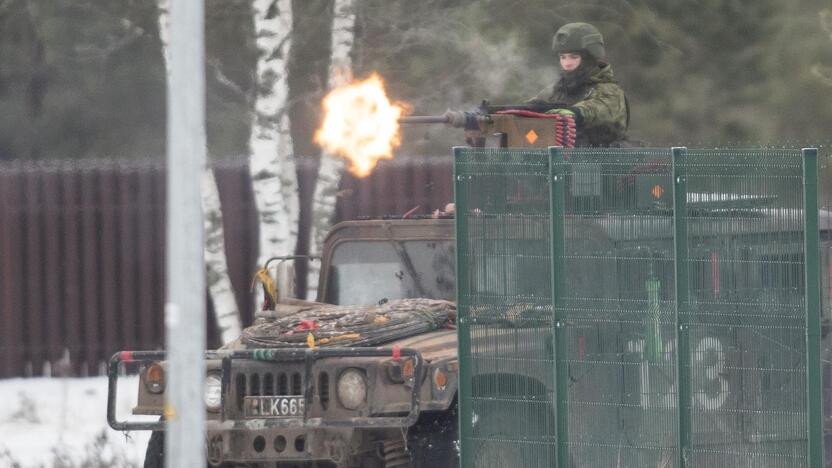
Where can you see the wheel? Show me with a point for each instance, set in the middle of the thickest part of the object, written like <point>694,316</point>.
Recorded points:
<point>434,439</point>
<point>504,439</point>
<point>154,457</point>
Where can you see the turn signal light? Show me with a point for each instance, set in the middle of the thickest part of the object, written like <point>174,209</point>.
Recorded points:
<point>657,191</point>
<point>407,369</point>
<point>154,378</point>
<point>440,379</point>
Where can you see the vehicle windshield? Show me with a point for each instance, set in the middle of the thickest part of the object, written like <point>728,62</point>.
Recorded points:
<point>371,271</point>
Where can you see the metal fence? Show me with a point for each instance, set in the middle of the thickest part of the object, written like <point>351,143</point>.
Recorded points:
<point>82,251</point>
<point>639,307</point>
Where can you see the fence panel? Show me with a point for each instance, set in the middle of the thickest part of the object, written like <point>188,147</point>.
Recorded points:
<point>72,274</point>
<point>674,322</point>
<point>109,247</point>
<point>504,308</point>
<point>51,290</point>
<point>615,307</point>
<point>12,268</point>
<point>91,307</point>
<point>34,347</point>
<point>396,187</point>
<point>745,310</point>
<point>147,248</point>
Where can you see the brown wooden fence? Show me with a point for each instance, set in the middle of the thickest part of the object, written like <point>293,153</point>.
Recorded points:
<point>82,252</point>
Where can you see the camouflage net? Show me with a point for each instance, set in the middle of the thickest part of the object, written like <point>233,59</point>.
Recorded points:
<point>357,325</point>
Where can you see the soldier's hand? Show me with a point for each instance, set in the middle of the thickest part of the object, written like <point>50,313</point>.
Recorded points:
<point>563,112</point>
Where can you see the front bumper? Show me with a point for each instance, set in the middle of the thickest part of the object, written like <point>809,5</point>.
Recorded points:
<point>307,356</point>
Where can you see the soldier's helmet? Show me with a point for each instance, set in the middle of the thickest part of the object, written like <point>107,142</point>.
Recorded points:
<point>574,37</point>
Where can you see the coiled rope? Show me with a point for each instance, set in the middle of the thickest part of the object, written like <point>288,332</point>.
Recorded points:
<point>358,325</point>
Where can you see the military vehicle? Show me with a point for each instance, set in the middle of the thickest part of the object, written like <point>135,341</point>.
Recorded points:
<point>390,404</point>
<point>346,393</point>
<point>350,406</point>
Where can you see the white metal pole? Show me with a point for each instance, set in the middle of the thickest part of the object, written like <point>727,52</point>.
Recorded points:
<point>185,309</point>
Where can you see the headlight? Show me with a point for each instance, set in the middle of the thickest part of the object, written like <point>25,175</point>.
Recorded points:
<point>213,392</point>
<point>352,389</point>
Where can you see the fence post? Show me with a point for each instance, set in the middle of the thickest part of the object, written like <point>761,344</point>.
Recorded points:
<point>463,318</point>
<point>680,247</point>
<point>185,308</point>
<point>557,193</point>
<point>811,264</point>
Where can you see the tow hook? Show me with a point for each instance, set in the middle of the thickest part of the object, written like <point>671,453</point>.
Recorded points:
<point>215,450</point>
<point>335,448</point>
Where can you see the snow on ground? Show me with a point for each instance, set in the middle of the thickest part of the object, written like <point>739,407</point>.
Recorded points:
<point>62,422</point>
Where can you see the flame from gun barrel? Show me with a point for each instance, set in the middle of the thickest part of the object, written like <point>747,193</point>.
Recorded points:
<point>360,124</point>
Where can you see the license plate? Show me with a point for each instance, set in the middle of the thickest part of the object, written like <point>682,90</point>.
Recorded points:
<point>273,406</point>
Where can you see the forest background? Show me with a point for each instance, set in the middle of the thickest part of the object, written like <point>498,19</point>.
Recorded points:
<point>85,79</point>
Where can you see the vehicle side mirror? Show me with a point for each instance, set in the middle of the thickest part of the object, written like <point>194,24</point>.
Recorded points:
<point>285,280</point>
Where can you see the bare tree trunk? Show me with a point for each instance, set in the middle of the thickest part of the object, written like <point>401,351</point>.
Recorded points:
<point>329,174</point>
<point>226,312</point>
<point>824,71</point>
<point>272,165</point>
<point>164,27</point>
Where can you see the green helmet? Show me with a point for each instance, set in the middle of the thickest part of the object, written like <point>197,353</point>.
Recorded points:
<point>579,36</point>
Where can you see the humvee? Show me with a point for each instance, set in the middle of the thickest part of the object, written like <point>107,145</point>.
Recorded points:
<point>393,405</point>
<point>284,406</point>
<point>406,411</point>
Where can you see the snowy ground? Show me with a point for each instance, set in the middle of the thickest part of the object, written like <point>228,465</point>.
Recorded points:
<point>62,423</point>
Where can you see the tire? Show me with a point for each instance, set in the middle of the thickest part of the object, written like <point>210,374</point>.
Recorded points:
<point>154,457</point>
<point>502,439</point>
<point>434,439</point>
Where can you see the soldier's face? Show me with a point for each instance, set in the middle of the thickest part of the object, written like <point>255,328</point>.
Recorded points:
<point>570,61</point>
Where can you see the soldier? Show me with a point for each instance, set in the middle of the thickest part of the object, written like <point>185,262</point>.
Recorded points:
<point>587,89</point>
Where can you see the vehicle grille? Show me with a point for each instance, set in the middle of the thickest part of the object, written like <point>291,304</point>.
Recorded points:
<point>266,384</point>
<point>323,389</point>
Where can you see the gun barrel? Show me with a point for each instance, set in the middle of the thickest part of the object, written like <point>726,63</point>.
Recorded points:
<point>424,119</point>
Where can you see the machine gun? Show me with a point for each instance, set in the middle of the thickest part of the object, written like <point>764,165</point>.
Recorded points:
<point>503,126</point>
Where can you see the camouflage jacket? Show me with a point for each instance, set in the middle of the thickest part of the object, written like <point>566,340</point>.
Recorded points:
<point>601,103</point>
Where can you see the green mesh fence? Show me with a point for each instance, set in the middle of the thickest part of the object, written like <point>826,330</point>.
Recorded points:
<point>638,308</point>
<point>505,308</point>
<point>744,308</point>
<point>617,306</point>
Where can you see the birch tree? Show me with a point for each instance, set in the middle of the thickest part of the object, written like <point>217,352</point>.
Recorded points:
<point>824,71</point>
<point>227,314</point>
<point>272,166</point>
<point>331,167</point>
